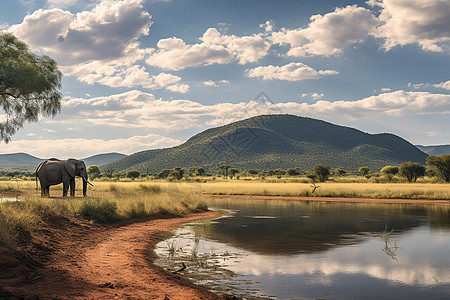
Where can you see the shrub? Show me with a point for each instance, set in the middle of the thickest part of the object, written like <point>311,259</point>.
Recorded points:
<point>322,172</point>
<point>100,211</point>
<point>411,170</point>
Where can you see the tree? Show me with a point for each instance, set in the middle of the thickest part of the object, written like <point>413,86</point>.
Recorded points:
<point>252,172</point>
<point>93,171</point>
<point>389,170</point>
<point>164,173</point>
<point>177,173</point>
<point>108,170</point>
<point>364,170</point>
<point>442,164</point>
<point>200,171</point>
<point>292,172</point>
<point>133,174</point>
<point>225,170</point>
<point>29,85</point>
<point>322,172</point>
<point>339,172</point>
<point>411,170</point>
<point>232,172</point>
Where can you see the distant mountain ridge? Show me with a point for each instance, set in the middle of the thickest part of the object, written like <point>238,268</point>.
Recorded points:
<point>435,150</point>
<point>24,161</point>
<point>277,141</point>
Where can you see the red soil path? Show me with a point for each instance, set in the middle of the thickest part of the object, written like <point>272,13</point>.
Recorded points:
<point>85,261</point>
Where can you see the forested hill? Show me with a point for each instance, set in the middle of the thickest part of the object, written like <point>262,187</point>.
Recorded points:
<point>277,141</point>
<point>435,150</point>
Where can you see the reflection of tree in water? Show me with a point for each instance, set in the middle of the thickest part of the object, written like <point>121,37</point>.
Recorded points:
<point>288,227</point>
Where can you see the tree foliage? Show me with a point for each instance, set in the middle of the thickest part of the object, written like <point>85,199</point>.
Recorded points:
<point>411,170</point>
<point>389,170</point>
<point>232,172</point>
<point>133,174</point>
<point>94,171</point>
<point>364,170</point>
<point>322,172</point>
<point>29,86</point>
<point>442,164</point>
<point>200,171</point>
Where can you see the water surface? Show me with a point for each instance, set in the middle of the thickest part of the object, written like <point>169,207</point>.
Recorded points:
<point>308,250</point>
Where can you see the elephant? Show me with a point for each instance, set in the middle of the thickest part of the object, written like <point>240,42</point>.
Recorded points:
<point>54,171</point>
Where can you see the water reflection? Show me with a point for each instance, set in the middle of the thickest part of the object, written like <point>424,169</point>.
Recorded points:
<point>328,250</point>
<point>302,227</point>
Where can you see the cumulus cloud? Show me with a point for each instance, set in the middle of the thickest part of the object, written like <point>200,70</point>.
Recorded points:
<point>443,85</point>
<point>136,109</point>
<point>103,33</point>
<point>289,72</point>
<point>215,48</point>
<point>79,146</point>
<point>328,34</point>
<point>97,46</point>
<point>405,22</point>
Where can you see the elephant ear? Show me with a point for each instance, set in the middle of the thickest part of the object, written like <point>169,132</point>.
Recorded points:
<point>71,165</point>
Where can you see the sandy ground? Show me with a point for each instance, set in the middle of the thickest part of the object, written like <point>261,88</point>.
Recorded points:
<point>78,260</point>
<point>335,199</point>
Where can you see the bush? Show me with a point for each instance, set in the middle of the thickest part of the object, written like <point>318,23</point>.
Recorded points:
<point>100,211</point>
<point>133,174</point>
<point>411,170</point>
<point>322,172</point>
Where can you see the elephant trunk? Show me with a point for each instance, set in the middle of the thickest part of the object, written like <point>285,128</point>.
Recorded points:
<point>85,183</point>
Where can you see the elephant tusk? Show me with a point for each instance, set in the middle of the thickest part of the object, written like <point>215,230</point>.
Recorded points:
<point>87,181</point>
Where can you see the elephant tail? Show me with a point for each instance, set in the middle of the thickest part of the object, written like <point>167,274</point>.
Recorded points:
<point>36,174</point>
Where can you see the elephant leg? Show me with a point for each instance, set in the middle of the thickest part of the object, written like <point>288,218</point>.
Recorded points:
<point>47,191</point>
<point>72,187</point>
<point>65,188</point>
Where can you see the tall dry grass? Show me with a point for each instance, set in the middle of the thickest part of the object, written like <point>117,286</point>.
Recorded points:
<point>108,202</point>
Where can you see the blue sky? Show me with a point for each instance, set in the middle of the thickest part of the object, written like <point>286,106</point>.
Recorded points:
<point>145,74</point>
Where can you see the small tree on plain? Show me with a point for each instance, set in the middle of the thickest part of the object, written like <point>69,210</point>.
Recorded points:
<point>292,172</point>
<point>322,172</point>
<point>364,170</point>
<point>411,170</point>
<point>232,172</point>
<point>225,169</point>
<point>94,171</point>
<point>200,171</point>
<point>442,164</point>
<point>133,174</point>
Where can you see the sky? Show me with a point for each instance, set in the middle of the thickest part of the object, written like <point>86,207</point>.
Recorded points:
<point>147,74</point>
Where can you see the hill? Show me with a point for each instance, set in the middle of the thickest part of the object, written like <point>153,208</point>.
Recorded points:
<point>26,162</point>
<point>435,150</point>
<point>101,159</point>
<point>277,141</point>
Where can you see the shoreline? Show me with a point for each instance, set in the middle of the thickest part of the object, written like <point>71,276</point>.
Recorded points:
<point>91,261</point>
<point>334,199</point>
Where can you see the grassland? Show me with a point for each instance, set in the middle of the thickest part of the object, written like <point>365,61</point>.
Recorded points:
<point>113,201</point>
<point>108,202</point>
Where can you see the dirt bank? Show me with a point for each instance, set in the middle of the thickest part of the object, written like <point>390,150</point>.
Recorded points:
<point>74,259</point>
<point>335,199</point>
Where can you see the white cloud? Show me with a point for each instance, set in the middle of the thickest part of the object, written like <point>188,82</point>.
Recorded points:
<point>210,83</point>
<point>104,33</point>
<point>137,109</point>
<point>45,148</point>
<point>289,72</point>
<point>215,48</point>
<point>414,21</point>
<point>96,46</point>
<point>443,85</point>
<point>329,34</point>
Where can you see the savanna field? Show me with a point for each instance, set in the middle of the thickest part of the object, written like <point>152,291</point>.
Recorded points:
<point>110,201</point>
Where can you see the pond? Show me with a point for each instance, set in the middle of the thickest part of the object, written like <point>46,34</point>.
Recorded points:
<point>308,250</point>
